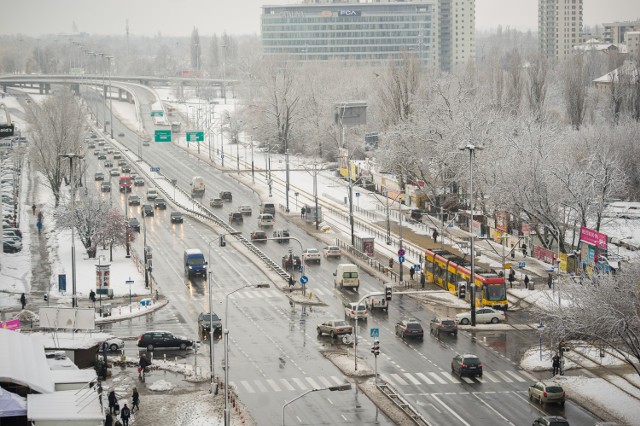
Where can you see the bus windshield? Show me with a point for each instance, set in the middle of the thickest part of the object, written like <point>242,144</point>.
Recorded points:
<point>495,292</point>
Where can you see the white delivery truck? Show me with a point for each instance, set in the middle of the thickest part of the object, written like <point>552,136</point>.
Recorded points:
<point>197,186</point>
<point>346,276</point>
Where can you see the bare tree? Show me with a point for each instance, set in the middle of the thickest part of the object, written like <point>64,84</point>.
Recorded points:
<point>537,85</point>
<point>615,324</point>
<point>575,81</point>
<point>114,231</point>
<point>55,128</point>
<point>398,89</point>
<point>196,50</point>
<point>89,219</point>
<point>515,82</point>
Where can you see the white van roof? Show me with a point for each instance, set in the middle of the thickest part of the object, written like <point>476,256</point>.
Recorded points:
<point>193,251</point>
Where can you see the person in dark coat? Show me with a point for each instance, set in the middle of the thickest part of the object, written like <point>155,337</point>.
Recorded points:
<point>555,363</point>
<point>143,364</point>
<point>524,250</point>
<point>526,281</point>
<point>125,414</point>
<point>33,209</point>
<point>108,421</point>
<point>550,280</point>
<point>512,278</point>
<point>435,235</point>
<point>135,400</point>
<point>412,272</point>
<point>23,300</point>
<point>302,212</point>
<point>113,400</point>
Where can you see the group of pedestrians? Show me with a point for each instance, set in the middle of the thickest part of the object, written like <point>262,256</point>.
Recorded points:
<point>125,412</point>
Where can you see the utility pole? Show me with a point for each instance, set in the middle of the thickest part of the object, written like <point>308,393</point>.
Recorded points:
<point>74,300</point>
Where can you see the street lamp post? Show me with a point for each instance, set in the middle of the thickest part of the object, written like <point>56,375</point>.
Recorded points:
<point>344,387</point>
<point>104,94</point>
<point>74,299</point>
<point>129,282</point>
<point>109,58</point>
<point>355,329</point>
<point>253,170</point>
<point>472,148</point>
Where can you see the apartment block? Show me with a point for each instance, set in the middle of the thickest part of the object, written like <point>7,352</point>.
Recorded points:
<point>559,27</point>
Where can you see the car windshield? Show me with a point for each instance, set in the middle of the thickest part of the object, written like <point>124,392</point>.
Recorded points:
<point>558,423</point>
<point>341,324</point>
<point>196,261</point>
<point>554,389</point>
<point>414,326</point>
<point>495,292</point>
<point>448,322</point>
<point>471,361</point>
<point>312,251</point>
<point>207,317</point>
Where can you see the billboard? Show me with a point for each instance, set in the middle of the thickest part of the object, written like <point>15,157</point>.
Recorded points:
<point>6,130</point>
<point>593,238</point>
<point>67,318</point>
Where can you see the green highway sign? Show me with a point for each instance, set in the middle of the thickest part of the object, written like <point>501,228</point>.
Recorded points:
<point>163,136</point>
<point>195,136</point>
<point>157,113</point>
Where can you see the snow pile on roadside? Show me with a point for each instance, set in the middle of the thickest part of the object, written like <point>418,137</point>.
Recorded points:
<point>531,360</point>
<point>346,364</point>
<point>161,386</point>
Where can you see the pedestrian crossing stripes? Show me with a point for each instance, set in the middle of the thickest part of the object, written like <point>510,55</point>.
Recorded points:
<point>296,384</point>
<point>273,292</point>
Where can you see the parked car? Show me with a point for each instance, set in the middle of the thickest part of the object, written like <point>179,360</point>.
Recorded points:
<point>147,210</point>
<point>152,194</point>
<point>206,322</point>
<point>91,145</point>
<point>11,246</point>
<point>350,311</point>
<point>559,421</point>
<point>547,392</point>
<point>259,236</point>
<point>226,196</point>
<point>466,365</point>
<point>281,235</point>
<point>115,344</point>
<point>483,315</point>
<point>99,176</point>
<point>416,214</point>
<point>176,217</point>
<point>105,187</point>
<point>160,203</point>
<point>443,325</point>
<point>311,255</point>
<point>409,327</point>
<point>134,200</point>
<point>236,217</point>
<point>134,224</point>
<point>245,210</point>
<point>138,181</point>
<point>334,328</point>
<point>163,340</point>
<point>331,251</point>
<point>216,202</point>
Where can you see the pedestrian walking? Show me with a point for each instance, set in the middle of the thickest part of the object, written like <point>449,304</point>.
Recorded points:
<point>39,226</point>
<point>412,272</point>
<point>555,363</point>
<point>435,235</point>
<point>33,209</point>
<point>125,414</point>
<point>302,212</point>
<point>40,216</point>
<point>524,250</point>
<point>99,390</point>
<point>23,300</point>
<point>108,421</point>
<point>113,401</point>
<point>513,253</point>
<point>511,278</point>
<point>550,280</point>
<point>135,400</point>
<point>526,282</point>
<point>291,283</point>
<point>143,364</point>
<point>92,296</point>
<point>391,263</point>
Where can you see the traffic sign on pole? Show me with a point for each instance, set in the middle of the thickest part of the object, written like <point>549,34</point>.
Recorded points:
<point>374,332</point>
<point>154,169</point>
<point>195,136</point>
<point>304,280</point>
<point>401,259</point>
<point>163,136</point>
<point>401,252</point>
<point>157,113</point>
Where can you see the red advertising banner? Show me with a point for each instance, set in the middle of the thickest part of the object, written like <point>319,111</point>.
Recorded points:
<point>544,254</point>
<point>10,325</point>
<point>593,238</point>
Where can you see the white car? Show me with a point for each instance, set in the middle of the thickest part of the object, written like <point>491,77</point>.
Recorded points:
<point>311,255</point>
<point>350,311</point>
<point>152,194</point>
<point>331,251</point>
<point>115,344</point>
<point>245,210</point>
<point>483,315</point>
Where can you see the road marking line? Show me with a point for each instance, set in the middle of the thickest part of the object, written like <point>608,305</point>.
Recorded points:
<point>492,409</point>
<point>300,383</point>
<point>399,379</point>
<point>527,375</point>
<point>287,385</point>
<point>412,379</point>
<point>450,377</point>
<point>338,380</point>
<point>503,376</point>
<point>467,379</point>
<point>273,384</point>
<point>438,378</point>
<point>260,386</point>
<point>450,410</point>
<point>247,386</point>
<point>325,381</point>
<point>425,378</point>
<point>386,378</point>
<point>312,383</point>
<point>490,377</point>
<point>515,376</point>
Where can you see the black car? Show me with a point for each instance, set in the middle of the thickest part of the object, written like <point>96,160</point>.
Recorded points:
<point>99,176</point>
<point>551,421</point>
<point>416,214</point>
<point>236,217</point>
<point>105,187</point>
<point>409,327</point>
<point>226,195</point>
<point>163,340</point>
<point>466,365</point>
<point>206,321</point>
<point>176,217</point>
<point>160,203</point>
<point>134,224</point>
<point>134,200</point>
<point>147,210</point>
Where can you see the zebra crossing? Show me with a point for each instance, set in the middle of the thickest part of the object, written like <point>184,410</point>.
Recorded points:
<point>432,378</point>
<point>274,292</point>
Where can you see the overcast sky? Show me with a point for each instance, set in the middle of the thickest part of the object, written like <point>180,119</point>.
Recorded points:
<point>179,17</point>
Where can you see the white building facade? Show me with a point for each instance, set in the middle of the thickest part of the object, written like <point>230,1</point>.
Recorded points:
<point>559,27</point>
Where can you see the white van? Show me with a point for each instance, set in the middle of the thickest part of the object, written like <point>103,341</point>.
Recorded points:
<point>346,276</point>
<point>197,186</point>
<point>265,220</point>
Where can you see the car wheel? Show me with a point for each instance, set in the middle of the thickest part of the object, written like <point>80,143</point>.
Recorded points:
<point>333,335</point>
<point>183,346</point>
<point>495,320</point>
<point>455,333</point>
<point>113,347</point>
<point>403,335</point>
<point>530,396</point>
<point>540,400</point>
<point>452,369</point>
<point>149,347</point>
<point>437,332</point>
<point>319,331</point>
<point>464,321</point>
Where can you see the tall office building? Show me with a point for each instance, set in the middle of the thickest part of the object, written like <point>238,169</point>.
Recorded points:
<point>440,33</point>
<point>559,27</point>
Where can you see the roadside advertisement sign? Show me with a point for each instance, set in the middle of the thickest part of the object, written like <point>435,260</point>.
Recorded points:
<point>502,221</point>
<point>593,238</point>
<point>103,275</point>
<point>544,254</point>
<point>10,325</point>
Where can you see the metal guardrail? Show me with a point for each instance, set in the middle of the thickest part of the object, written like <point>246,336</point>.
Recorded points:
<point>402,404</point>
